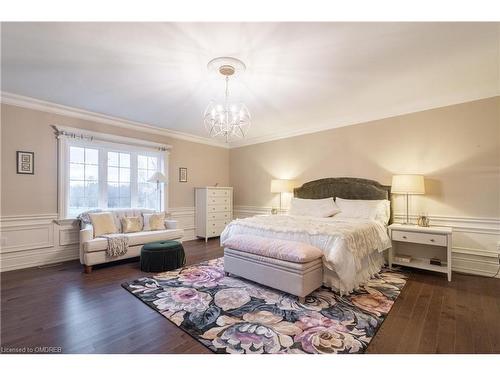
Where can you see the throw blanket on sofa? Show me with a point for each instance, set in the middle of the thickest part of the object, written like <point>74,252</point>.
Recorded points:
<point>117,244</point>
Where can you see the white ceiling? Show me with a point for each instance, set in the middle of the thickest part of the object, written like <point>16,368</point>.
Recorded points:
<point>300,77</point>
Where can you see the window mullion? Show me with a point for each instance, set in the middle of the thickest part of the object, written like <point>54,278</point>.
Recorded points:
<point>103,178</point>
<point>134,188</point>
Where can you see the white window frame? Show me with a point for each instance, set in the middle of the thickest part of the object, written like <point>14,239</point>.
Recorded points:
<point>68,137</point>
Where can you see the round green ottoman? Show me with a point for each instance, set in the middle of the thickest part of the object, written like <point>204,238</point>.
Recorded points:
<point>162,256</point>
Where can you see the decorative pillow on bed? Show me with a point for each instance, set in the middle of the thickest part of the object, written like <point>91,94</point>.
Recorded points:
<point>313,207</point>
<point>364,209</point>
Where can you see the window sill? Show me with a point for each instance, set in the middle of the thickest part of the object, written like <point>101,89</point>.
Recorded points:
<point>66,222</point>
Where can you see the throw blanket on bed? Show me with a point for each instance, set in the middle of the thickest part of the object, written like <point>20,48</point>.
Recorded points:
<point>117,244</point>
<point>360,237</point>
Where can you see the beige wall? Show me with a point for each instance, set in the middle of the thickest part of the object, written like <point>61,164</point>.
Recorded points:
<point>30,130</point>
<point>457,148</point>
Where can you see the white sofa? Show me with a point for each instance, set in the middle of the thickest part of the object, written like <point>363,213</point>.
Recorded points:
<point>93,250</point>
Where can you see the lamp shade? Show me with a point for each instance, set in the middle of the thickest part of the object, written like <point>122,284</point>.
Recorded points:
<point>158,177</point>
<point>281,186</point>
<point>408,184</point>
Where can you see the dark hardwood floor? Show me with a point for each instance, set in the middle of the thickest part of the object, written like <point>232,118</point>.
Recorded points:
<point>60,306</point>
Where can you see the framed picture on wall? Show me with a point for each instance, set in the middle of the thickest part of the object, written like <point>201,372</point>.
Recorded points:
<point>183,175</point>
<point>25,162</point>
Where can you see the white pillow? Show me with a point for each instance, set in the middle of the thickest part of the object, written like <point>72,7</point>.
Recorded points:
<point>364,209</point>
<point>313,207</point>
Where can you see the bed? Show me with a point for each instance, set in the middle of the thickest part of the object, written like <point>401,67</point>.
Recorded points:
<point>352,247</point>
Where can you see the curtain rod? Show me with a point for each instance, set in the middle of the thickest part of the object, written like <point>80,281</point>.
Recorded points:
<point>82,134</point>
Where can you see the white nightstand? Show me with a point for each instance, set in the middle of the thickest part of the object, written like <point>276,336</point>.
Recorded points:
<point>435,236</point>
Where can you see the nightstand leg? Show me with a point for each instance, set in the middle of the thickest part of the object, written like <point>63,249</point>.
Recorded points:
<point>389,256</point>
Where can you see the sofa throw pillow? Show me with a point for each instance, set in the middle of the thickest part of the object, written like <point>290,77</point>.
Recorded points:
<point>103,223</point>
<point>131,224</point>
<point>154,221</point>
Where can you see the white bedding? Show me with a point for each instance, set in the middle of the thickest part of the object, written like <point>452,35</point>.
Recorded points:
<point>351,247</point>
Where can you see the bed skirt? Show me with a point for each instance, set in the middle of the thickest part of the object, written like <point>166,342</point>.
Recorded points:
<point>371,264</point>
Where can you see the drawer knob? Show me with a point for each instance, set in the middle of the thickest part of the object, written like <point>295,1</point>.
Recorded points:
<point>432,239</point>
<point>404,237</point>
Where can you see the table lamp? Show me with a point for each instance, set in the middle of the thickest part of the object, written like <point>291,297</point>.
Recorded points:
<point>281,186</point>
<point>408,184</point>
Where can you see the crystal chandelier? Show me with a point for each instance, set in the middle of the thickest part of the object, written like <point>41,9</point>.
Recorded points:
<point>228,121</point>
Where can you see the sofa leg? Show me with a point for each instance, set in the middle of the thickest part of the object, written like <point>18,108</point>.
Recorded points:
<point>87,269</point>
<point>302,300</point>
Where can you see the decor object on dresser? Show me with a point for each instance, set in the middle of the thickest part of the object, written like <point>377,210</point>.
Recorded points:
<point>281,186</point>
<point>214,210</point>
<point>408,184</point>
<point>423,221</point>
<point>233,315</point>
<point>161,256</point>
<point>226,120</point>
<point>25,162</point>
<point>183,174</point>
<point>93,249</point>
<point>435,236</point>
<point>158,178</point>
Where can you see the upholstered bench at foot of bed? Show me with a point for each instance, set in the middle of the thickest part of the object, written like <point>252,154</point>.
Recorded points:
<point>298,272</point>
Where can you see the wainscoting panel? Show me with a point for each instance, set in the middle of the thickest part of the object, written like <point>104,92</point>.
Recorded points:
<point>35,240</point>
<point>186,220</point>
<point>476,241</point>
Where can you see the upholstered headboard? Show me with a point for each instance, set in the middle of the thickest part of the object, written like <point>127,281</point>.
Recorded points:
<point>343,187</point>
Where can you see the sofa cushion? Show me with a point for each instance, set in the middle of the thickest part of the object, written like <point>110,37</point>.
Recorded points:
<point>103,223</point>
<point>154,221</point>
<point>290,251</point>
<point>131,224</point>
<point>137,238</point>
<point>119,213</point>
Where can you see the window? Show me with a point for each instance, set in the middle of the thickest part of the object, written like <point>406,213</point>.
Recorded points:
<point>119,194</point>
<point>146,191</point>
<point>108,175</point>
<point>83,179</point>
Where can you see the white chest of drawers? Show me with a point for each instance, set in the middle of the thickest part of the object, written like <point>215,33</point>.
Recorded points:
<point>214,210</point>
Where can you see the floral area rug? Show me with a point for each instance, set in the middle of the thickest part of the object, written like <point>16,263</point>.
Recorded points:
<point>233,315</point>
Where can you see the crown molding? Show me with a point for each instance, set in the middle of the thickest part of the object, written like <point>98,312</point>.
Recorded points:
<point>58,109</point>
<point>41,105</point>
<point>360,119</point>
